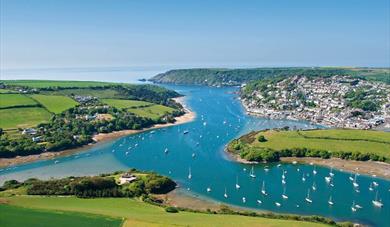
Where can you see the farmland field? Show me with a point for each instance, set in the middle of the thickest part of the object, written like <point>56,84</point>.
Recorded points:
<point>138,213</point>
<point>377,142</point>
<point>10,216</point>
<point>95,92</point>
<point>55,103</point>
<point>153,112</point>
<point>140,108</point>
<point>23,117</point>
<point>13,100</point>
<point>124,104</point>
<point>54,83</point>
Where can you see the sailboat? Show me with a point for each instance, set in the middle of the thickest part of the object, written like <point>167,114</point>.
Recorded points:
<point>308,197</point>
<point>375,183</point>
<point>166,151</point>
<point>284,196</point>
<point>283,181</point>
<point>355,184</point>
<point>350,177</point>
<point>330,201</point>
<point>243,199</point>
<point>328,179</point>
<point>252,173</point>
<point>237,185</point>
<point>303,177</point>
<point>377,202</point>
<point>331,172</point>
<point>225,195</point>
<point>189,173</point>
<point>263,189</point>
<point>353,208</point>
<point>314,171</point>
<point>283,176</point>
<point>314,187</point>
<point>208,189</point>
<point>371,188</point>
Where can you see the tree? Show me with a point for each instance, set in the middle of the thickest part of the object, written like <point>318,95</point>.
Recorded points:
<point>262,139</point>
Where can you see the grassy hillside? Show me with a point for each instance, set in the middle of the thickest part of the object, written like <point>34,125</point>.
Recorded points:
<point>10,216</point>
<point>349,144</point>
<point>124,104</point>
<point>15,100</point>
<point>55,103</point>
<point>221,77</point>
<point>140,108</point>
<point>23,117</point>
<point>138,213</point>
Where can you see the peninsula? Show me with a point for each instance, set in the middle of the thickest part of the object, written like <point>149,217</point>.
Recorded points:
<point>52,116</point>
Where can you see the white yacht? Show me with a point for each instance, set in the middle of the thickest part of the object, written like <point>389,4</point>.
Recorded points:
<point>330,201</point>
<point>189,173</point>
<point>376,201</point>
<point>353,208</point>
<point>284,196</point>
<point>331,172</point>
<point>355,184</point>
<point>225,195</point>
<point>328,179</point>
<point>308,197</point>
<point>278,204</point>
<point>237,185</point>
<point>243,199</point>
<point>208,189</point>
<point>263,189</point>
<point>252,173</point>
<point>314,187</point>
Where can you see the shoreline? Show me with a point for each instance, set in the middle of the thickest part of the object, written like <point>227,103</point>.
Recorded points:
<point>188,116</point>
<point>369,168</point>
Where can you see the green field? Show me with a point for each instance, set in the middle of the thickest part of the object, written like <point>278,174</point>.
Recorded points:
<point>153,112</point>
<point>54,83</point>
<point>2,91</point>
<point>124,104</point>
<point>10,216</point>
<point>140,108</point>
<point>23,117</point>
<point>14,100</point>
<point>138,213</point>
<point>363,141</point>
<point>55,103</point>
<point>95,92</point>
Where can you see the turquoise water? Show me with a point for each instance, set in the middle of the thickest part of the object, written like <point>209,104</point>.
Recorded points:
<point>210,167</point>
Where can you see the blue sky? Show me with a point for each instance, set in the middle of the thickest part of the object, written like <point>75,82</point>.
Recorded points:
<point>194,33</point>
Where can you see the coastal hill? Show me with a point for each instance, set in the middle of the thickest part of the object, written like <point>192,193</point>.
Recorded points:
<point>237,77</point>
<point>131,198</point>
<point>348,144</point>
<point>38,116</point>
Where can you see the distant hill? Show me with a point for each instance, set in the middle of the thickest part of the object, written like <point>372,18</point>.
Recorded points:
<point>234,77</point>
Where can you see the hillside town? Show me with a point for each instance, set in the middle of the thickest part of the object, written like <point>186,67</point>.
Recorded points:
<point>337,101</point>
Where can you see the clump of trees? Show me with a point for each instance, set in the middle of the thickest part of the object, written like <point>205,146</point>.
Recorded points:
<point>262,139</point>
<point>257,154</point>
<point>96,186</point>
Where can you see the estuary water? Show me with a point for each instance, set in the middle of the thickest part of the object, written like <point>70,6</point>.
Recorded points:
<point>200,153</point>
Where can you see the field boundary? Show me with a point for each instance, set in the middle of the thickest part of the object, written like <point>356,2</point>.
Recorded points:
<point>341,139</point>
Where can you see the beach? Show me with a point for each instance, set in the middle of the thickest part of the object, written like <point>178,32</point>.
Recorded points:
<point>98,138</point>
